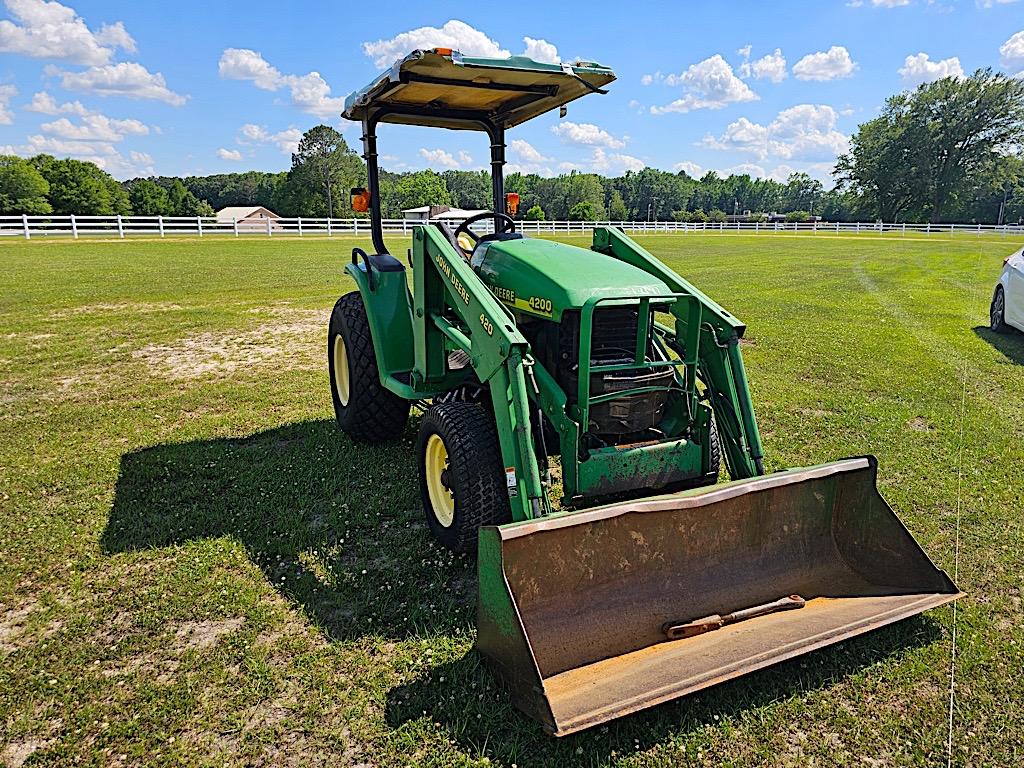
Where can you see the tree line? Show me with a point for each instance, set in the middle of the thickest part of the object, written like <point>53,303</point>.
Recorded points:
<point>949,150</point>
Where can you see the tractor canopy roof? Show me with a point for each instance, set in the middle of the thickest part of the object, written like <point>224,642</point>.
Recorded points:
<point>444,89</point>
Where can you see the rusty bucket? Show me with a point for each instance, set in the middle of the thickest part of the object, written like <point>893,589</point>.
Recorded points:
<point>577,611</point>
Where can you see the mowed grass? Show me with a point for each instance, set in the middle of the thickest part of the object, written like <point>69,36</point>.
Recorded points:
<point>197,567</point>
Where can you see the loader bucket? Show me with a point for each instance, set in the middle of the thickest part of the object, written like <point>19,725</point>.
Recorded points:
<point>574,608</point>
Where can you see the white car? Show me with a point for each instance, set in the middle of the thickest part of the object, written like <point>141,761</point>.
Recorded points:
<point>1007,308</point>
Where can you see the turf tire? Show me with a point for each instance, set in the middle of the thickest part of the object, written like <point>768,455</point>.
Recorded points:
<point>475,474</point>
<point>997,311</point>
<point>372,414</point>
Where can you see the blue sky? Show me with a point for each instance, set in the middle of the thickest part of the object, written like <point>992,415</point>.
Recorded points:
<point>197,87</point>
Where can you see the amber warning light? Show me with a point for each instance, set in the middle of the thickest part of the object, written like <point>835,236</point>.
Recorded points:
<point>512,203</point>
<point>360,200</point>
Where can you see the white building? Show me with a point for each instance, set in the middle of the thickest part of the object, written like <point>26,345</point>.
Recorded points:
<point>247,216</point>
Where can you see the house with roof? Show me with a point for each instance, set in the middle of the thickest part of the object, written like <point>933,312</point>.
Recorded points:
<point>248,217</point>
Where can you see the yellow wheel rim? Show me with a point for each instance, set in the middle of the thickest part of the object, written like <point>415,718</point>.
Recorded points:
<point>442,501</point>
<point>341,380</point>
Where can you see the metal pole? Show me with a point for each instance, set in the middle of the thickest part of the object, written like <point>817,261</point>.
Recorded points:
<point>373,182</point>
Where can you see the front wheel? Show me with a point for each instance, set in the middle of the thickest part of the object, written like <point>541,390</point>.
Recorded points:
<point>461,480</point>
<point>997,312</point>
<point>364,409</point>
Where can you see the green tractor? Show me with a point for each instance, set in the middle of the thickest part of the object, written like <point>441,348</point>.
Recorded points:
<point>530,357</point>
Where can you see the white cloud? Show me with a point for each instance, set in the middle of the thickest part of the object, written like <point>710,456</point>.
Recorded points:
<point>613,163</point>
<point>806,131</point>
<point>709,84</point>
<point>993,3</point>
<point>229,154</point>
<point>540,50</point>
<point>116,36</point>
<point>770,67</point>
<point>586,134</point>
<point>446,159</point>
<point>127,79</point>
<point>649,79</point>
<point>1011,53</point>
<point>48,30</point>
<point>745,51</point>
<point>309,92</point>
<point>526,152</point>
<point>825,65</point>
<point>453,34</point>
<point>692,169</point>
<point>103,154</point>
<point>45,104</point>
<point>889,3</point>
<point>920,69</point>
<point>287,140</point>
<point>745,169</point>
<point>95,127</point>
<point>7,92</point>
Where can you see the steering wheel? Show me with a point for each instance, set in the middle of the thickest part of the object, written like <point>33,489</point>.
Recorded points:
<point>503,225</point>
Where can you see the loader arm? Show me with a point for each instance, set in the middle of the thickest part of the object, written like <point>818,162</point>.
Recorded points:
<point>444,283</point>
<point>720,363</point>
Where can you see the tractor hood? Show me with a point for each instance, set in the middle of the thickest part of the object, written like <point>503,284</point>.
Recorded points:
<point>544,278</point>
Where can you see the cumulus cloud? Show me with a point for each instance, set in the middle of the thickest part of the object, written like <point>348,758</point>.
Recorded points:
<point>540,50</point>
<point>44,29</point>
<point>770,67</point>
<point>692,169</point>
<point>709,84</point>
<point>45,104</point>
<point>7,92</point>
<point>586,134</point>
<point>103,154</point>
<point>127,79</point>
<point>1011,53</point>
<point>806,132</point>
<point>95,127</point>
<point>229,154</point>
<point>309,92</point>
<point>526,152</point>
<point>287,140</point>
<point>525,158</point>
<point>993,3</point>
<point>825,65</point>
<point>614,163</point>
<point>921,69</point>
<point>439,157</point>
<point>452,34</point>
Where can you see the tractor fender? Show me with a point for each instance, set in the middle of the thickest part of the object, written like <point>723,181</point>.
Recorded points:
<point>385,292</point>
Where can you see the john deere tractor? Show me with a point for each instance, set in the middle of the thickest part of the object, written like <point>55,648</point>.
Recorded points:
<point>604,367</point>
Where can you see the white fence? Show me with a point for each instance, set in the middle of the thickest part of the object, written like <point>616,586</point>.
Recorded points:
<point>76,227</point>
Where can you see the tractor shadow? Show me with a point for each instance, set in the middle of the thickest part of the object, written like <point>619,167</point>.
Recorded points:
<point>463,698</point>
<point>335,527</point>
<point>338,531</point>
<point>1011,344</point>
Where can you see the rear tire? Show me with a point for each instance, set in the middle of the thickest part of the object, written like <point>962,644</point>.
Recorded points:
<point>364,409</point>
<point>997,311</point>
<point>462,484</point>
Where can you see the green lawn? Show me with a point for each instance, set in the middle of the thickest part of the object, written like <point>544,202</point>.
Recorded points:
<point>197,567</point>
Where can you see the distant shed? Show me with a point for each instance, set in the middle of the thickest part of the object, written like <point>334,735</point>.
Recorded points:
<point>248,217</point>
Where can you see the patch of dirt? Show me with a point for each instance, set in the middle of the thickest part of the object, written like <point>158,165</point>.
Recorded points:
<point>127,307</point>
<point>817,412</point>
<point>919,424</point>
<point>12,627</point>
<point>748,341</point>
<point>203,634</point>
<point>288,341</point>
<point>17,752</point>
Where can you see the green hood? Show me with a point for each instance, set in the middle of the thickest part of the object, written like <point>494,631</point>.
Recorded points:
<point>544,278</point>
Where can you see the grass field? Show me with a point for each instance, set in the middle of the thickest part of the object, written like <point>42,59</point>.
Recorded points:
<point>197,567</point>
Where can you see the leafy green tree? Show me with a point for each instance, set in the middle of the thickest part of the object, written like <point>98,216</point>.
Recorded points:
<point>585,210</point>
<point>617,207</point>
<point>149,199</point>
<point>717,215</point>
<point>931,146</point>
<point>536,213</point>
<point>798,216</point>
<point>470,189</point>
<point>22,187</point>
<point>801,193</point>
<point>420,188</point>
<point>81,187</point>
<point>324,163</point>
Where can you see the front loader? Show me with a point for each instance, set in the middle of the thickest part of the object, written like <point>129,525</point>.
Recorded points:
<point>534,359</point>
